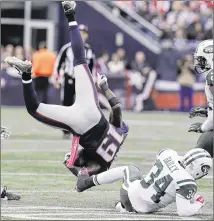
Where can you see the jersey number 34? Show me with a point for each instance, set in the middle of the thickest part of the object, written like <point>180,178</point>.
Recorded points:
<point>159,185</point>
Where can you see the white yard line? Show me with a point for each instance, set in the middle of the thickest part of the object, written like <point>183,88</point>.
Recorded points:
<point>29,217</point>
<point>36,213</point>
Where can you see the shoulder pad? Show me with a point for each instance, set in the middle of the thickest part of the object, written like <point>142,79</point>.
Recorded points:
<point>209,78</point>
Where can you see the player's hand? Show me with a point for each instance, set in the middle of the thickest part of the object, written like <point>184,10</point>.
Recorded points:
<point>5,133</point>
<point>196,127</point>
<point>198,111</point>
<point>101,79</point>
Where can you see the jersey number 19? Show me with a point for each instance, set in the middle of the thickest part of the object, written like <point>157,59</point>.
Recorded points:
<point>110,146</point>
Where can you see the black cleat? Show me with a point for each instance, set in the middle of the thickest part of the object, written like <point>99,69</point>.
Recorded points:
<point>84,181</point>
<point>8,195</point>
<point>21,66</point>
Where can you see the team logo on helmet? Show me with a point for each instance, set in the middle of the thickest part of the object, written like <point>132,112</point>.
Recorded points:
<point>208,49</point>
<point>205,169</point>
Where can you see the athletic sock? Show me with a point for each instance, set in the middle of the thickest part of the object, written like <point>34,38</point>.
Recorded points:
<point>71,17</point>
<point>76,40</point>
<point>26,77</point>
<point>30,96</point>
<point>109,176</point>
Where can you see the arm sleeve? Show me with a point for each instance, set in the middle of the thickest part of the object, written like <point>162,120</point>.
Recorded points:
<point>116,113</point>
<point>186,205</point>
<point>208,123</point>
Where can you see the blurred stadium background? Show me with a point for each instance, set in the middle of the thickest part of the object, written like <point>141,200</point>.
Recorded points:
<point>145,49</point>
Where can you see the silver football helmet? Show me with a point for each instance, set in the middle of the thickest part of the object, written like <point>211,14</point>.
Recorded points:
<point>203,57</point>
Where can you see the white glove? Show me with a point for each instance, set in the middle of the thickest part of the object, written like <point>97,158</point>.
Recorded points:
<point>101,79</point>
<point>5,134</point>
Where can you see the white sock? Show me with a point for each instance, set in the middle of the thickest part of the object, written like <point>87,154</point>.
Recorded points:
<point>109,176</point>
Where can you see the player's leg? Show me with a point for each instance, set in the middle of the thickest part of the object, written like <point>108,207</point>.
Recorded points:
<point>131,173</point>
<point>85,181</point>
<point>68,97</point>
<point>86,94</point>
<point>52,115</point>
<point>205,142</point>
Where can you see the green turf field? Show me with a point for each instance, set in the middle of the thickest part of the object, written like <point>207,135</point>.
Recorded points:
<point>31,165</point>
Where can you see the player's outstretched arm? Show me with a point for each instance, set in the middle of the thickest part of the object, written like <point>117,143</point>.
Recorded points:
<point>188,207</point>
<point>116,114</point>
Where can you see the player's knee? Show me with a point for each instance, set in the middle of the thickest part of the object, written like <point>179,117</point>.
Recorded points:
<point>32,107</point>
<point>131,173</point>
<point>134,173</point>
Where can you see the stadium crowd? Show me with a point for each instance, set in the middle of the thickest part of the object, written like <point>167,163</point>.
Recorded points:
<point>105,63</point>
<point>177,19</point>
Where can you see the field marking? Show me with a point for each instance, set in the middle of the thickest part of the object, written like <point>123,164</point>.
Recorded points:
<point>89,211</point>
<point>26,217</point>
<point>60,174</point>
<point>64,191</point>
<point>55,208</point>
<point>68,191</point>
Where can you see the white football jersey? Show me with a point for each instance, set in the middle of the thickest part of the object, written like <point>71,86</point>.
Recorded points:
<point>158,189</point>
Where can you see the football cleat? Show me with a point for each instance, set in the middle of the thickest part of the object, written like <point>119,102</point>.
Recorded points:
<point>21,66</point>
<point>84,181</point>
<point>119,207</point>
<point>69,7</point>
<point>8,195</point>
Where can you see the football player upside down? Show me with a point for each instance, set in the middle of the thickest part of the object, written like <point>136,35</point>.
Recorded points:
<point>101,139</point>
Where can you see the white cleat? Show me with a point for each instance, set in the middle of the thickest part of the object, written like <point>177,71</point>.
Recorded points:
<point>21,66</point>
<point>69,7</point>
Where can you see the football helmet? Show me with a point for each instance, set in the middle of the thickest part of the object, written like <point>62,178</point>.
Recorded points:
<point>203,57</point>
<point>197,162</point>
